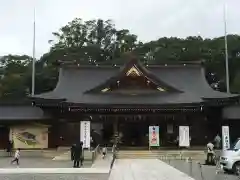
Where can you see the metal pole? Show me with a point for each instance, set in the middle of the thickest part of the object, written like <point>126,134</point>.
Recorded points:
<point>201,171</point>
<point>33,60</point>
<point>226,47</point>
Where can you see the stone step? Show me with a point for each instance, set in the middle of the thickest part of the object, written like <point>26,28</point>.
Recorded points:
<point>161,157</point>
<point>51,154</point>
<point>66,156</point>
<point>165,154</point>
<point>198,155</point>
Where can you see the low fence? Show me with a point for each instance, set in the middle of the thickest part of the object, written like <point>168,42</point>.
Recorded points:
<point>114,151</point>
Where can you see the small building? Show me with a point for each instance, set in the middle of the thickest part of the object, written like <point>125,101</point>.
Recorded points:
<point>121,102</point>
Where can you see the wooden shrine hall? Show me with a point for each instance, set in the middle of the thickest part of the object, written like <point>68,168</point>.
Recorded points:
<point>123,101</point>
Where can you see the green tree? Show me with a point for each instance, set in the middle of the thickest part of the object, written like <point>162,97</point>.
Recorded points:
<point>15,71</point>
<point>98,41</point>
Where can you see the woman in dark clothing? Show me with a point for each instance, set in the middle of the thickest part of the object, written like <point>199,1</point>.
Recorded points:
<point>9,148</point>
<point>77,155</point>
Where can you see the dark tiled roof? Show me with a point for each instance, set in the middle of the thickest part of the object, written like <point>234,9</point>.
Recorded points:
<point>190,79</point>
<point>20,112</point>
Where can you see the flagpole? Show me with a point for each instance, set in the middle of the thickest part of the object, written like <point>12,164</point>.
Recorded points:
<point>226,48</point>
<point>33,60</point>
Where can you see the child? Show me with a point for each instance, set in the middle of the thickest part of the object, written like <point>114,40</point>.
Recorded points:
<point>16,157</point>
<point>104,152</point>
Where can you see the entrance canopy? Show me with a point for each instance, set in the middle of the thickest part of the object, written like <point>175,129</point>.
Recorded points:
<point>132,85</point>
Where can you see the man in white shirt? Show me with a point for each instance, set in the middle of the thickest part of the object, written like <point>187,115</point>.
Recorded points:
<point>210,153</point>
<point>16,157</point>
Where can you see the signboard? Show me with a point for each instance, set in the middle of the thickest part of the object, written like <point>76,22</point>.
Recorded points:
<point>154,136</point>
<point>85,133</point>
<point>29,137</point>
<point>184,139</point>
<point>225,137</point>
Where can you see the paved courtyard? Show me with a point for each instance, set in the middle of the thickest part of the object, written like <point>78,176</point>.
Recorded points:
<point>208,172</point>
<point>46,163</point>
<point>145,169</point>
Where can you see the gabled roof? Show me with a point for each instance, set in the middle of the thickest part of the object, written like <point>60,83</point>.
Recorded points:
<point>134,68</point>
<point>187,82</point>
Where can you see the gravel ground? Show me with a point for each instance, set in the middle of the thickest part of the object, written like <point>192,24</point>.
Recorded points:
<point>208,172</point>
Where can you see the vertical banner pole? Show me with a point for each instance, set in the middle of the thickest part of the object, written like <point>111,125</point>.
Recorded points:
<point>154,136</point>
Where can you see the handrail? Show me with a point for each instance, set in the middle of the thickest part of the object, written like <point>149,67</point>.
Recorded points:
<point>95,153</point>
<point>114,149</point>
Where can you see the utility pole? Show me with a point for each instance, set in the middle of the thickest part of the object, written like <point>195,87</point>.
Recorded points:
<point>33,60</point>
<point>226,47</point>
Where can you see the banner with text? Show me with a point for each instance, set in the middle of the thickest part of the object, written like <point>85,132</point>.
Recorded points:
<point>85,136</point>
<point>154,136</point>
<point>184,140</point>
<point>225,137</point>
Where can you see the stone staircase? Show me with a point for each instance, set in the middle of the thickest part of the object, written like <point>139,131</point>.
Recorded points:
<point>160,154</point>
<point>66,156</point>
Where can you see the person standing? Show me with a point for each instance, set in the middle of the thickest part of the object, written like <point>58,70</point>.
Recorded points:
<point>9,148</point>
<point>16,157</point>
<point>82,153</point>
<point>217,141</point>
<point>77,155</point>
<point>72,151</point>
<point>210,153</point>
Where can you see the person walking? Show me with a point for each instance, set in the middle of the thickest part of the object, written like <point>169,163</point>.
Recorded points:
<point>104,151</point>
<point>16,157</point>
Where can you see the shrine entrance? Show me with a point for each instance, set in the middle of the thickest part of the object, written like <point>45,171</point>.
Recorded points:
<point>133,134</point>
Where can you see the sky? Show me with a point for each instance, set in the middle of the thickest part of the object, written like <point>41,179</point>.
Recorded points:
<point>149,19</point>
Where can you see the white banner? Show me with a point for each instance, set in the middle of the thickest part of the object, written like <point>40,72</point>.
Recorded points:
<point>184,139</point>
<point>225,138</point>
<point>85,133</point>
<point>154,136</point>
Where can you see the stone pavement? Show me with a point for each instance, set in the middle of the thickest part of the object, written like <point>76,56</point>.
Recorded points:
<point>47,169</point>
<point>200,172</point>
<point>103,163</point>
<point>145,169</point>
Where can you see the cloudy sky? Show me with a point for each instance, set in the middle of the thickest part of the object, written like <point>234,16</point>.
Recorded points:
<point>149,19</point>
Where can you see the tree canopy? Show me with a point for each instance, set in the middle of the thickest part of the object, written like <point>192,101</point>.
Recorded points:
<point>98,41</point>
